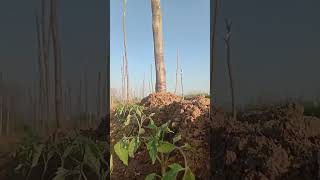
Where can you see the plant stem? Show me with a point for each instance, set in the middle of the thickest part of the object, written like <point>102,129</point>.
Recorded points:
<point>185,161</point>
<point>163,165</point>
<point>44,170</point>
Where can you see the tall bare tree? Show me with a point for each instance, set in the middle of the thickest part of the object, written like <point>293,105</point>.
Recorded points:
<point>177,72</point>
<point>123,87</point>
<point>80,107</point>
<point>125,50</point>
<point>1,105</point>
<point>41,72</point>
<point>86,92</point>
<point>158,46</point>
<point>8,116</point>
<point>57,63</point>
<point>228,54</point>
<point>1,113</point>
<point>46,33</point>
<point>213,42</point>
<point>143,85</point>
<point>99,95</point>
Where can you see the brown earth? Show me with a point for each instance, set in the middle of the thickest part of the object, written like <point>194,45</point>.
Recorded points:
<point>271,142</point>
<point>187,117</point>
<point>278,142</point>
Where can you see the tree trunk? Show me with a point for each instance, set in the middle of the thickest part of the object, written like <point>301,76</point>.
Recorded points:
<point>46,33</point>
<point>8,117</point>
<point>177,72</point>
<point>1,113</point>
<point>80,104</point>
<point>86,94</point>
<point>99,96</point>
<point>41,93</point>
<point>213,46</point>
<point>1,106</point>
<point>158,46</point>
<point>57,64</point>
<point>228,54</point>
<point>125,50</point>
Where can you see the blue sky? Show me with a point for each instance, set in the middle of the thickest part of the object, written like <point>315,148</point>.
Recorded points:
<point>185,26</point>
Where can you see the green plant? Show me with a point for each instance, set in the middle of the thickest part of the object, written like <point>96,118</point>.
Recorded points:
<point>158,147</point>
<point>74,154</point>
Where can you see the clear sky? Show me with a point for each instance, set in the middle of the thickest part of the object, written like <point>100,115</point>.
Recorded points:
<point>275,44</point>
<point>185,26</point>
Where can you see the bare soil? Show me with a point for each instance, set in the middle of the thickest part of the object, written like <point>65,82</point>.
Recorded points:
<point>270,142</point>
<point>276,142</point>
<point>190,118</point>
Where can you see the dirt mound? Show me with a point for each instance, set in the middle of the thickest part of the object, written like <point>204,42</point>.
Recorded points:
<point>190,118</point>
<point>159,99</point>
<point>272,143</point>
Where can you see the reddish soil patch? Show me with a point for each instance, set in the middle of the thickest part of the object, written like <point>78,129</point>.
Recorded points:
<point>277,142</point>
<point>159,99</point>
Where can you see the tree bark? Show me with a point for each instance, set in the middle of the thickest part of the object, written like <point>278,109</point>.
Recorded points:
<point>125,50</point>
<point>158,46</point>
<point>40,45</point>
<point>57,64</point>
<point>228,54</point>
<point>213,47</point>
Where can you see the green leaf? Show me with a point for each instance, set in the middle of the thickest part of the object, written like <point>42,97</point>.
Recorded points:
<point>36,156</point>
<point>165,147</point>
<point>176,166</point>
<point>169,130</point>
<point>187,146</point>
<point>177,138</point>
<point>151,176</point>
<point>188,175</point>
<point>133,146</point>
<point>139,112</point>
<point>121,152</point>
<point>111,163</point>
<point>152,114</point>
<point>121,110</point>
<point>173,172</point>
<point>152,148</point>
<point>18,167</point>
<point>67,151</point>
<point>165,127</point>
<point>61,174</point>
<point>141,131</point>
<point>92,158</point>
<point>151,125</point>
<point>127,120</point>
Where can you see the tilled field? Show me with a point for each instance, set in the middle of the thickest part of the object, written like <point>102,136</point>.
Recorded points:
<point>272,142</point>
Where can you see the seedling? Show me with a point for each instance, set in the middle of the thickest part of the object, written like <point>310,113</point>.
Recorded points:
<point>158,147</point>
